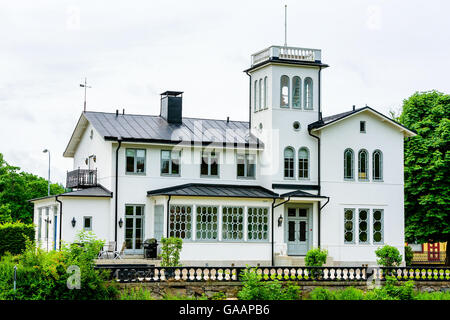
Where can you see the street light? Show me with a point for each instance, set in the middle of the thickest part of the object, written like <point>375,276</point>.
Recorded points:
<point>48,151</point>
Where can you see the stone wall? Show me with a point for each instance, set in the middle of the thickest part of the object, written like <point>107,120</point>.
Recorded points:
<point>230,289</point>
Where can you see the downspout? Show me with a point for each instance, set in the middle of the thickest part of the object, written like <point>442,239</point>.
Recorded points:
<point>117,190</point>
<point>60,220</point>
<point>273,253</point>
<point>167,218</point>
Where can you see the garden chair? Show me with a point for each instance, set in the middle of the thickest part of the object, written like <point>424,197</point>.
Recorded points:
<point>109,249</point>
<point>118,254</point>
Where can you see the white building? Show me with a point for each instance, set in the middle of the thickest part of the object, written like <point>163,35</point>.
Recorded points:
<point>264,191</point>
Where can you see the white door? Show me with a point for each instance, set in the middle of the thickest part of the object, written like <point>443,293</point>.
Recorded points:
<point>297,231</point>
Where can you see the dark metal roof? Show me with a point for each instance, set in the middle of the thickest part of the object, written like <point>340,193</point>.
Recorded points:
<point>300,193</point>
<point>215,190</point>
<point>96,192</point>
<point>147,128</point>
<point>331,119</point>
<point>316,63</point>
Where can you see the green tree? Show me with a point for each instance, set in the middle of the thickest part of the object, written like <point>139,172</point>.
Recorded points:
<point>427,167</point>
<point>16,188</point>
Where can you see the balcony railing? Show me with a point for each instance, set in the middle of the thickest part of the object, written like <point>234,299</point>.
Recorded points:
<point>286,53</point>
<point>81,178</point>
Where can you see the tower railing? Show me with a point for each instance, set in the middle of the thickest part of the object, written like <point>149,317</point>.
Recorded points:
<point>286,53</point>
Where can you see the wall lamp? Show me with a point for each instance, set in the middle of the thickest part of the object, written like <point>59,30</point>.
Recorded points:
<point>120,222</point>
<point>280,220</point>
<point>74,222</point>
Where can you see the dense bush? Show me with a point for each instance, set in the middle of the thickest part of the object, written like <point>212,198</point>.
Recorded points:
<point>408,255</point>
<point>13,237</point>
<point>170,252</point>
<point>135,293</point>
<point>388,256</point>
<point>46,275</point>
<point>320,293</point>
<point>256,289</point>
<point>316,257</point>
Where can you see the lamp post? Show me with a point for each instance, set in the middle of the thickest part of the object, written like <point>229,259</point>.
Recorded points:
<point>48,151</point>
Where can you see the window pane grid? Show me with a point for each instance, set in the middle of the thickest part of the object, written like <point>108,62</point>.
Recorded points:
<point>207,223</point>
<point>378,227</point>
<point>363,165</point>
<point>257,224</point>
<point>246,165</point>
<point>349,217</point>
<point>377,165</point>
<point>303,163</point>
<point>170,162</point>
<point>180,222</point>
<point>232,223</point>
<point>348,164</point>
<point>363,226</point>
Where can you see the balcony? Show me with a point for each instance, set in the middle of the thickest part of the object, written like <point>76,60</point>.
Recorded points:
<point>286,53</point>
<point>81,178</point>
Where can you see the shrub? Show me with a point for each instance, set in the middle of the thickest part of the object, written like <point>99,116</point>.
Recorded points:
<point>437,295</point>
<point>43,275</point>
<point>350,293</point>
<point>320,293</point>
<point>13,237</point>
<point>388,256</point>
<point>135,293</point>
<point>255,289</point>
<point>408,255</point>
<point>170,252</point>
<point>316,257</point>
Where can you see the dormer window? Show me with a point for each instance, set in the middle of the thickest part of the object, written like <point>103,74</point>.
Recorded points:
<point>362,126</point>
<point>284,92</point>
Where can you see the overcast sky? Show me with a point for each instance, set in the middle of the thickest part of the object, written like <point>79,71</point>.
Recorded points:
<point>379,53</point>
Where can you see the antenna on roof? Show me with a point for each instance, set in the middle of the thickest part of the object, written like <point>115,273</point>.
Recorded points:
<point>285,25</point>
<point>85,86</point>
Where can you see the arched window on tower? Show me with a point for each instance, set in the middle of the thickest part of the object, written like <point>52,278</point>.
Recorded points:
<point>377,158</point>
<point>289,162</point>
<point>296,93</point>
<point>261,94</point>
<point>363,165</point>
<point>265,92</point>
<point>303,163</point>
<point>348,164</point>
<point>308,94</point>
<point>256,95</point>
<point>284,92</point>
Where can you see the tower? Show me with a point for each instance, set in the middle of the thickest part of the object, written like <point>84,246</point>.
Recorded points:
<point>284,99</point>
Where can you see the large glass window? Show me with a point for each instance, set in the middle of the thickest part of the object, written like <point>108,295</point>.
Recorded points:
<point>87,223</point>
<point>296,93</point>
<point>348,164</point>
<point>308,94</point>
<point>258,224</point>
<point>377,165</point>
<point>134,227</point>
<point>210,164</point>
<point>170,162</point>
<point>180,221</point>
<point>378,228</point>
<point>232,223</point>
<point>363,165</point>
<point>135,162</point>
<point>284,92</point>
<point>246,165</point>
<point>349,226</point>
<point>363,226</point>
<point>303,163</point>
<point>207,223</point>
<point>289,162</point>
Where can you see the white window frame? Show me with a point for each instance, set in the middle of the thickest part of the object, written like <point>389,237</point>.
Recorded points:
<point>307,162</point>
<point>171,159</point>
<point>84,222</point>
<point>246,165</point>
<point>381,220</point>
<point>291,167</point>
<point>380,157</point>
<point>287,105</point>
<point>308,98</point>
<point>135,159</point>
<point>352,165</point>
<point>353,225</point>
<point>360,152</point>
<point>299,88</point>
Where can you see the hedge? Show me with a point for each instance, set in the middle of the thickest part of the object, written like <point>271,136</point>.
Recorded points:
<point>13,237</point>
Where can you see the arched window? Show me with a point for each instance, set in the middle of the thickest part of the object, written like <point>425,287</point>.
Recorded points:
<point>303,163</point>
<point>289,162</point>
<point>284,92</point>
<point>256,95</point>
<point>377,165</point>
<point>308,94</point>
<point>363,165</point>
<point>260,94</point>
<point>265,92</point>
<point>348,164</point>
<point>296,93</point>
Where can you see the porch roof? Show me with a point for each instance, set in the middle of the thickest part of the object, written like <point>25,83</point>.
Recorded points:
<point>98,192</point>
<point>300,194</point>
<point>215,190</point>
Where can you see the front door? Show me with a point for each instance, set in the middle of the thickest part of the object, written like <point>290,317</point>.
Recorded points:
<point>134,228</point>
<point>433,251</point>
<point>297,232</point>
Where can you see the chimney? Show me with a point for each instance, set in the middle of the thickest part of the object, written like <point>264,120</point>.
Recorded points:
<point>354,107</point>
<point>171,106</point>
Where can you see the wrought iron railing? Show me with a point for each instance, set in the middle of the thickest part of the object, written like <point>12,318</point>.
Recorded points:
<point>81,178</point>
